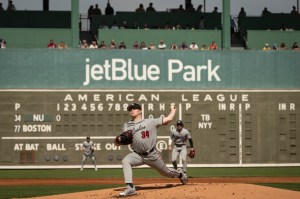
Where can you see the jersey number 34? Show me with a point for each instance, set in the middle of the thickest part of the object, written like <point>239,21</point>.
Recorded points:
<point>145,134</point>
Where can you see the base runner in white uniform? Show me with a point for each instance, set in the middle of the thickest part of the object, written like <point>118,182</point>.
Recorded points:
<point>179,137</point>
<point>143,145</point>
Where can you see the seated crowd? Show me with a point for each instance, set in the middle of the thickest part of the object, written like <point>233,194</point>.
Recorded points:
<point>160,46</point>
<point>151,46</point>
<point>282,46</point>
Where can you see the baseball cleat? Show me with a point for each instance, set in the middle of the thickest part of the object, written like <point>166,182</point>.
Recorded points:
<point>183,178</point>
<point>128,192</point>
<point>96,169</point>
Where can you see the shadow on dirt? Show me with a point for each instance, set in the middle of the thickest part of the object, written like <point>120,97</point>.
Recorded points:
<point>138,187</point>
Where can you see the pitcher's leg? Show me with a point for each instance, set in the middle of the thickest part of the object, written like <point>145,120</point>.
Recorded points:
<point>162,168</point>
<point>131,160</point>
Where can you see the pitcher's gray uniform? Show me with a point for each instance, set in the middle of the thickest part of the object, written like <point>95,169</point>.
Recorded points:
<point>143,145</point>
<point>179,138</point>
<point>87,147</point>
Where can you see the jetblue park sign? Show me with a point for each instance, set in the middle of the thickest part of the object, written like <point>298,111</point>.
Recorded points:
<point>134,69</point>
<point>121,69</point>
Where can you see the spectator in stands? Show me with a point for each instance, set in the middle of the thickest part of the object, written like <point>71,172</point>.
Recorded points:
<point>202,23</point>
<point>213,46</point>
<point>162,45</point>
<point>265,12</point>
<point>90,14</point>
<point>143,46</point>
<point>188,27</point>
<point>295,46</point>
<point>112,44</point>
<point>199,9</point>
<point>190,8</point>
<point>266,47</point>
<point>283,27</point>
<point>242,13</point>
<point>274,47</point>
<point>51,44</point>
<point>94,45</point>
<point>151,46</point>
<point>181,9</point>
<point>283,46</point>
<point>178,26</point>
<point>109,10</point>
<point>232,27</point>
<point>104,25</point>
<point>174,46</point>
<point>215,10</point>
<point>294,11</point>
<point>84,44</point>
<point>114,26</point>
<point>183,46</point>
<point>203,47</point>
<point>122,45</point>
<point>11,6</point>
<point>136,25</point>
<point>1,7</point>
<point>97,10</point>
<point>150,8</point>
<point>102,45</point>
<point>167,26</point>
<point>124,25</point>
<point>194,46</point>
<point>146,27</point>
<point>140,8</point>
<point>135,45</point>
<point>2,43</point>
<point>62,45</point>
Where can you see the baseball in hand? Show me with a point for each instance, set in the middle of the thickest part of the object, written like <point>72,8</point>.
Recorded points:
<point>173,106</point>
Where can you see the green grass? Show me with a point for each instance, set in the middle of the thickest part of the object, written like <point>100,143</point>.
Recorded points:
<point>46,190</point>
<point>149,173</point>
<point>31,191</point>
<point>288,186</point>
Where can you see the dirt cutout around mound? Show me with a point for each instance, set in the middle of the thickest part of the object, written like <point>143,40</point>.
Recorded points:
<point>189,191</point>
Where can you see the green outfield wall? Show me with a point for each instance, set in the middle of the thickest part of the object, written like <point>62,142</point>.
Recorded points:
<point>34,37</point>
<point>135,69</point>
<point>241,107</point>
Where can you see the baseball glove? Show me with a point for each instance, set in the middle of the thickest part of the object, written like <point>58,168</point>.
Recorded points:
<point>92,151</point>
<point>124,138</point>
<point>192,153</point>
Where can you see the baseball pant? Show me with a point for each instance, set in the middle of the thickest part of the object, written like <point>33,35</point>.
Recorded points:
<point>84,158</point>
<point>182,151</point>
<point>153,160</point>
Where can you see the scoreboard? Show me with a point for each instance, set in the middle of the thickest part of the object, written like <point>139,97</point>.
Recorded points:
<point>45,128</point>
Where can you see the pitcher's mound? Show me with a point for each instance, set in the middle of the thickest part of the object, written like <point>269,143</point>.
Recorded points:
<point>189,191</point>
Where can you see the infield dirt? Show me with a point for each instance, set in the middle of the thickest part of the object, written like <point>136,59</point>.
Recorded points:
<point>165,188</point>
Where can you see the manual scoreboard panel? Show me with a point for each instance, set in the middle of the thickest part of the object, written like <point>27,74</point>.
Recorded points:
<point>232,127</point>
